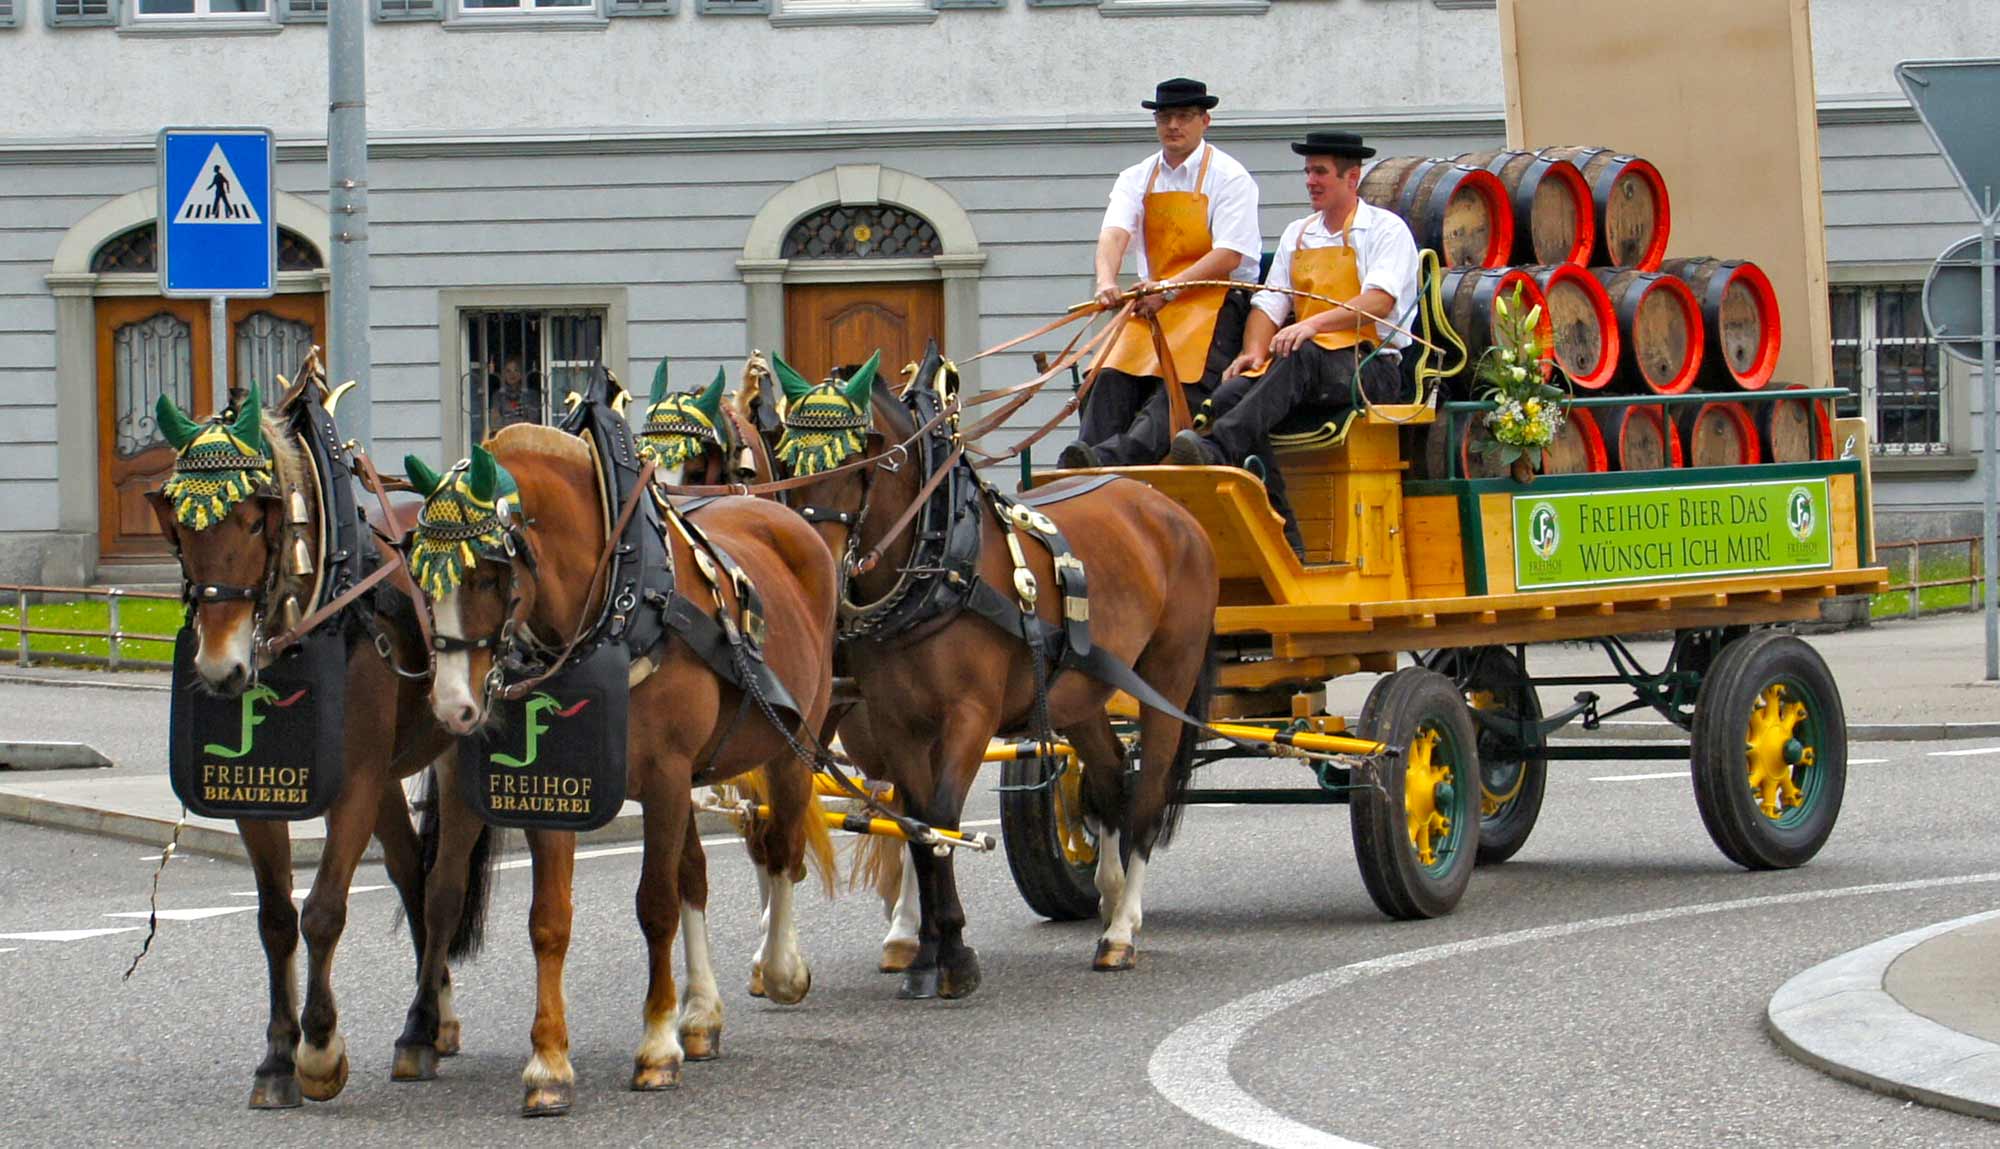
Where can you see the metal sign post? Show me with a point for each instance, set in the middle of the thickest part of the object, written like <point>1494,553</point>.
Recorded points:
<point>218,226</point>
<point>1959,102</point>
<point>348,356</point>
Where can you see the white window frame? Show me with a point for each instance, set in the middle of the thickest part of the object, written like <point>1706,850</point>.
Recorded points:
<point>815,12</point>
<point>141,17</point>
<point>1866,343</point>
<point>531,10</point>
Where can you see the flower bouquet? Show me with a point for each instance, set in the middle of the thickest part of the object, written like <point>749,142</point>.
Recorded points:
<point>1518,373</point>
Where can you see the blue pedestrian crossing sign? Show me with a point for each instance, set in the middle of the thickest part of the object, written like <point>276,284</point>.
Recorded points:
<point>218,231</point>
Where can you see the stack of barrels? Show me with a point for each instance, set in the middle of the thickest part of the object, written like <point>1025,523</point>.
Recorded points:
<point>1584,231</point>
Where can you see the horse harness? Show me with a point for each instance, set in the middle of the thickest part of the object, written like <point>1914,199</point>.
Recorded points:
<point>643,605</point>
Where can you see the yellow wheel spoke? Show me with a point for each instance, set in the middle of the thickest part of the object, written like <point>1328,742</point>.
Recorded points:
<point>1770,745</point>
<point>1422,775</point>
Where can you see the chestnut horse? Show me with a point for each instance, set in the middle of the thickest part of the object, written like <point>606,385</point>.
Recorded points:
<point>705,438</point>
<point>533,580</point>
<point>939,683</point>
<point>251,547</point>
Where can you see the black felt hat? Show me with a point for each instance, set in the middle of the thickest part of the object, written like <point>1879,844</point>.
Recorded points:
<point>1180,92</point>
<point>1343,145</point>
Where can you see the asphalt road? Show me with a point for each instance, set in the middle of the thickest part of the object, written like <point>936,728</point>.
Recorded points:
<point>1525,1018</point>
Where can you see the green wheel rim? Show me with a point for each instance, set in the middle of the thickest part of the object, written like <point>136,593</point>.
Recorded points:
<point>1810,733</point>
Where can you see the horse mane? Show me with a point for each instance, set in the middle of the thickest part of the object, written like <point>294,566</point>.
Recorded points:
<point>891,412</point>
<point>537,441</point>
<point>288,462</point>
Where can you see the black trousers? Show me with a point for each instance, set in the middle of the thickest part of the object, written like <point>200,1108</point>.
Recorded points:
<point>1311,380</point>
<point>1127,418</point>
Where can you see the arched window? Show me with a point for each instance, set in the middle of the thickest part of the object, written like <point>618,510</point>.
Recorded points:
<point>865,231</point>
<point>137,250</point>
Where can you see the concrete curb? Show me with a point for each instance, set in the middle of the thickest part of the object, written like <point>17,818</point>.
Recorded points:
<point>50,756</point>
<point>1839,1018</point>
<point>94,683</point>
<point>219,839</point>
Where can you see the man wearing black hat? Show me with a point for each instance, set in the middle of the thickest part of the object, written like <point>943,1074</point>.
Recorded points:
<point>1329,354</point>
<point>1196,211</point>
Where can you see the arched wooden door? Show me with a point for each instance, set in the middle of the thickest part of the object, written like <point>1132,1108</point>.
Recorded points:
<point>147,347</point>
<point>828,325</point>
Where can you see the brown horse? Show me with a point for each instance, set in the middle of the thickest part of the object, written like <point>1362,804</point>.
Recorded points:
<point>532,580</point>
<point>705,438</point>
<point>939,682</point>
<point>240,533</point>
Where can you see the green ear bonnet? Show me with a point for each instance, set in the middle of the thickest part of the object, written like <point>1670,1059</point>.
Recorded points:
<point>465,516</point>
<point>680,426</point>
<point>824,424</point>
<point>217,464</point>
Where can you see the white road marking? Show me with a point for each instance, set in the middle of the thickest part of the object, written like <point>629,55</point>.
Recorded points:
<point>1866,761</point>
<point>67,935</point>
<point>9,949</point>
<point>1191,1067</point>
<point>1640,777</point>
<point>1965,753</point>
<point>185,915</point>
<point>711,840</point>
<point>299,895</point>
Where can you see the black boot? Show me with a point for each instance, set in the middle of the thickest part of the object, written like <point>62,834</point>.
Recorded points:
<point>1191,450</point>
<point>1078,456</point>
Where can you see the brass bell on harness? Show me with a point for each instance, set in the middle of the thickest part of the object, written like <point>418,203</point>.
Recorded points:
<point>301,558</point>
<point>296,511</point>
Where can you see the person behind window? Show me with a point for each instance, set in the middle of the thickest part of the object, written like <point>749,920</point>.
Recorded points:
<point>512,396</point>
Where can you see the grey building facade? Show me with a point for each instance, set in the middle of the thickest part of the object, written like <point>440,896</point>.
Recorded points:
<point>558,181</point>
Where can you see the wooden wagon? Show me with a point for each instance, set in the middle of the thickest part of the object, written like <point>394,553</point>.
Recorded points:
<point>1461,575</point>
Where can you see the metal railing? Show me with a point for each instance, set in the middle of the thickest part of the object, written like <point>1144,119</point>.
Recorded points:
<point>114,634</point>
<point>1914,584</point>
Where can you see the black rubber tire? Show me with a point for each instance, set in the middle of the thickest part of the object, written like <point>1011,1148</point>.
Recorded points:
<point>1051,886</point>
<point>1741,673</point>
<point>1400,705</point>
<point>1494,669</point>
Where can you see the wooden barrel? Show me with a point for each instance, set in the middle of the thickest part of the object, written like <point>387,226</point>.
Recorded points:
<point>1637,439</point>
<point>1739,309</point>
<point>1469,296</point>
<point>1457,211</point>
<point>1659,330</point>
<point>1794,430</point>
<point>1585,325</point>
<point>1554,218</point>
<point>1719,434</point>
<point>1578,448</point>
<point>1629,197</point>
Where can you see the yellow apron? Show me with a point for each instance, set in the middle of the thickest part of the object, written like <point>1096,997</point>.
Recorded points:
<point>1176,235</point>
<point>1334,272</point>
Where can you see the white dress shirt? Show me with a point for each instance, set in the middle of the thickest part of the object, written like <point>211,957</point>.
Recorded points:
<point>1384,249</point>
<point>1232,204</point>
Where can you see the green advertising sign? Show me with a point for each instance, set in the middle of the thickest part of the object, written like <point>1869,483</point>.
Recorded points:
<point>1593,538</point>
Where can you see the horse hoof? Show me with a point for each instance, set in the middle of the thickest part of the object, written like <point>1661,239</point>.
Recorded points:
<point>701,1044</point>
<point>919,984</point>
<point>1114,957</point>
<point>448,1039</point>
<point>415,1063</point>
<point>757,980</point>
<point>897,955</point>
<point>325,1088</point>
<point>958,977</point>
<point>548,1100</point>
<point>275,1091</point>
<point>783,995</point>
<point>653,1078</point>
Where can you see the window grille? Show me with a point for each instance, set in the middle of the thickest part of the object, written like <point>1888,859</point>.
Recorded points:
<point>521,363</point>
<point>137,250</point>
<point>1884,356</point>
<point>875,231</point>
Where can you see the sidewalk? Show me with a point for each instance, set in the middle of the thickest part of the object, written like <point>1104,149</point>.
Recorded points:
<point>1901,680</point>
<point>1914,1016</point>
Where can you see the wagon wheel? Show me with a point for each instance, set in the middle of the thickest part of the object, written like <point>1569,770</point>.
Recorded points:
<point>1512,775</point>
<point>1416,836</point>
<point>1770,751</point>
<point>1050,851</point>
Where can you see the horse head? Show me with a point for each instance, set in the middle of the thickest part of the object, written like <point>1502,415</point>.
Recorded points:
<point>221,510</point>
<point>686,433</point>
<point>502,551</point>
<point>825,426</point>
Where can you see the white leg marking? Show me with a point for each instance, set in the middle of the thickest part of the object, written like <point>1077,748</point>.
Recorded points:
<point>906,915</point>
<point>785,976</point>
<point>1110,875</point>
<point>702,1007</point>
<point>446,1014</point>
<point>763,912</point>
<point>1125,920</point>
<point>552,1070</point>
<point>321,1062</point>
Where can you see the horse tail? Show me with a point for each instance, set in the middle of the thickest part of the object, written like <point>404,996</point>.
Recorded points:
<point>470,936</point>
<point>1182,770</point>
<point>877,864</point>
<point>819,840</point>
